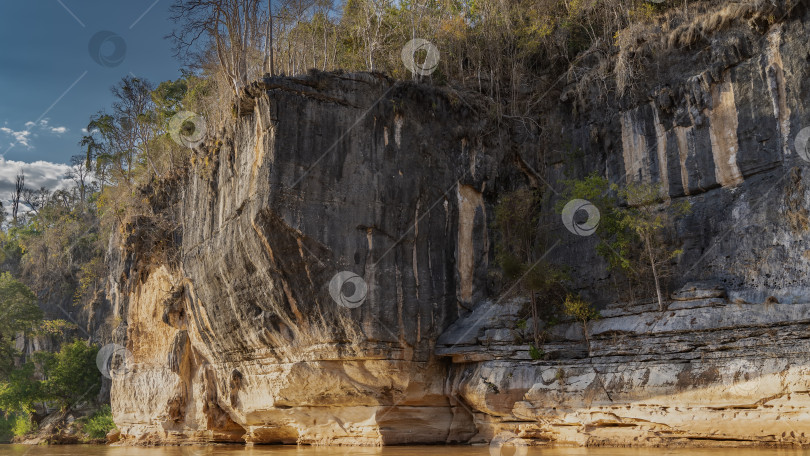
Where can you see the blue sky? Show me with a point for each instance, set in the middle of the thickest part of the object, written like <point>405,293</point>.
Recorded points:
<point>58,60</point>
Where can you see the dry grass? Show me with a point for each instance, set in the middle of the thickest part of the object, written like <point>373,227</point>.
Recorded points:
<point>648,35</point>
<point>704,25</point>
<point>633,42</point>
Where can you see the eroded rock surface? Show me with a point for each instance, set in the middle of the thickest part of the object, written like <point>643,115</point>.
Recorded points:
<point>236,337</point>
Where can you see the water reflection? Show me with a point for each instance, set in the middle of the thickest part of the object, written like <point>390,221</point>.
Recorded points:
<point>262,450</point>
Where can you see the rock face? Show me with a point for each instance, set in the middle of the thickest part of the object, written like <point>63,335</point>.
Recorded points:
<point>237,336</point>
<point>324,275</point>
<point>705,373</point>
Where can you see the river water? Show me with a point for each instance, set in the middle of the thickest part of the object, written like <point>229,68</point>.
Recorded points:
<point>237,450</point>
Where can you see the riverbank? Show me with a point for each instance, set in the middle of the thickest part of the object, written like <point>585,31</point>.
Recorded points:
<point>289,450</point>
<point>85,426</point>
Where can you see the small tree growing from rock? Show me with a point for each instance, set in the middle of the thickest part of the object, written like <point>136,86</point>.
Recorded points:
<point>519,252</point>
<point>633,223</point>
<point>583,312</point>
<point>647,220</point>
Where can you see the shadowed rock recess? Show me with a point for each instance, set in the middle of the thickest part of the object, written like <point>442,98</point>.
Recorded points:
<point>225,306</point>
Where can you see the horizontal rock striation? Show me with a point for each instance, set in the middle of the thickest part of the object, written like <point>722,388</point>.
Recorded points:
<point>706,372</point>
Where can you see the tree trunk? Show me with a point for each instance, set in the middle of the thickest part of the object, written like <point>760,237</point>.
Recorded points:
<point>19,185</point>
<point>268,64</point>
<point>535,323</point>
<point>648,241</point>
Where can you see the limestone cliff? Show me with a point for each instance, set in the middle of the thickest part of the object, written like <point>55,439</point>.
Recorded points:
<point>238,328</point>
<point>234,335</point>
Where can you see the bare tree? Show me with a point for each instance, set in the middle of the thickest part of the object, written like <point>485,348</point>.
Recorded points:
<point>63,199</point>
<point>268,44</point>
<point>16,196</point>
<point>135,118</point>
<point>232,27</point>
<point>79,173</point>
<point>117,140</point>
<point>35,199</point>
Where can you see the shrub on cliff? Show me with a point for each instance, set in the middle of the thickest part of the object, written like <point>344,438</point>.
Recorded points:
<point>634,228</point>
<point>648,221</point>
<point>520,253</point>
<point>507,50</point>
<point>583,312</point>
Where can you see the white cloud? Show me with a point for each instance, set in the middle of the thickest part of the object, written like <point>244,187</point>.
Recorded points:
<point>23,137</point>
<point>37,174</point>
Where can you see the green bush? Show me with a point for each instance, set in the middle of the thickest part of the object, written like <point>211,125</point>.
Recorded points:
<point>99,424</point>
<point>22,425</point>
<point>19,311</point>
<point>21,390</point>
<point>584,312</point>
<point>71,374</point>
<point>535,353</point>
<point>70,378</point>
<point>634,227</point>
<point>6,424</point>
<point>14,425</point>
